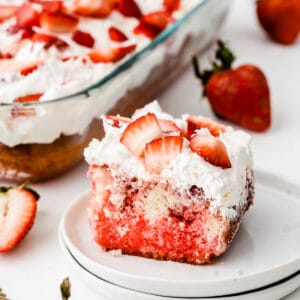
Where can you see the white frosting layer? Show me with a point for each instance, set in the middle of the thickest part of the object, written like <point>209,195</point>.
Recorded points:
<point>226,187</point>
<point>56,78</point>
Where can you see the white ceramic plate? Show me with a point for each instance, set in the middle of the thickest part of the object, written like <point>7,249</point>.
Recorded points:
<point>265,250</point>
<point>111,291</point>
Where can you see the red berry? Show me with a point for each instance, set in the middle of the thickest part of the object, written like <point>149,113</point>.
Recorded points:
<point>129,8</point>
<point>160,152</point>
<point>211,149</point>
<point>239,95</point>
<point>18,207</point>
<point>83,38</point>
<point>116,34</point>
<point>140,132</point>
<point>280,19</point>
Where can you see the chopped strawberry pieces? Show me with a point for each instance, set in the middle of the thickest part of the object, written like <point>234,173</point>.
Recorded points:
<point>168,126</point>
<point>58,22</point>
<point>50,6</point>
<point>197,122</point>
<point>140,132</point>
<point>211,149</point>
<point>94,8</point>
<point>129,8</point>
<point>18,206</point>
<point>29,69</point>
<point>146,30</point>
<point>171,5</point>
<point>158,19</point>
<point>28,98</point>
<point>7,11</point>
<point>110,55</point>
<point>49,41</point>
<point>27,16</point>
<point>160,152</point>
<point>116,121</point>
<point>116,35</point>
<point>83,38</point>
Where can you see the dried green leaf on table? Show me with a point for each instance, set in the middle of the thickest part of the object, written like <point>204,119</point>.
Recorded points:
<point>65,289</point>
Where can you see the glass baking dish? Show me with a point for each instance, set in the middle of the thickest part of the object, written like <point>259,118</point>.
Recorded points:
<point>40,140</point>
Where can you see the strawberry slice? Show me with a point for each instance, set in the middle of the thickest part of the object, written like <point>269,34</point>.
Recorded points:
<point>129,8</point>
<point>18,206</point>
<point>171,5</point>
<point>7,11</point>
<point>94,8</point>
<point>27,16</point>
<point>27,69</point>
<point>9,65</point>
<point>28,98</point>
<point>116,35</point>
<point>168,126</point>
<point>140,132</point>
<point>116,121</point>
<point>50,6</point>
<point>197,122</point>
<point>159,152</point>
<point>157,19</point>
<point>111,54</point>
<point>211,149</point>
<point>83,38</point>
<point>58,22</point>
<point>147,30</point>
<point>49,41</point>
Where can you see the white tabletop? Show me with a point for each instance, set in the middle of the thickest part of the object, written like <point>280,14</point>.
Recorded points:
<point>35,269</point>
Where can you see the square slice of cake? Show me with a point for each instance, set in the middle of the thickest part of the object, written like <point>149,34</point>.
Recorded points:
<point>166,188</point>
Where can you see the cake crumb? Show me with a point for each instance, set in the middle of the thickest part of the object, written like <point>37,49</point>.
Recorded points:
<point>115,253</point>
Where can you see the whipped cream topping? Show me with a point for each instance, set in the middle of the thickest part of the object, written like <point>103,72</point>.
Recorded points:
<point>225,187</point>
<point>56,78</point>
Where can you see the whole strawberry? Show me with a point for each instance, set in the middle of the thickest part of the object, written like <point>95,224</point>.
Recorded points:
<point>280,19</point>
<point>18,207</point>
<point>240,95</point>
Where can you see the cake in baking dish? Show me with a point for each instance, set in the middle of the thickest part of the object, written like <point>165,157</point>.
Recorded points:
<point>166,188</point>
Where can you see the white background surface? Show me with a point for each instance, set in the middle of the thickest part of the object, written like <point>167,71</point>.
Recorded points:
<point>36,268</point>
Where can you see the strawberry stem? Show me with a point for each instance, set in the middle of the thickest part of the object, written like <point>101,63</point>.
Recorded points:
<point>223,61</point>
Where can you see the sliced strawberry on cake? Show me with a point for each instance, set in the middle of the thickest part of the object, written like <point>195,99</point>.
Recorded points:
<point>162,194</point>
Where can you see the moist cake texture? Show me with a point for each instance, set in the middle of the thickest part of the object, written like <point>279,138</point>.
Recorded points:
<point>169,189</point>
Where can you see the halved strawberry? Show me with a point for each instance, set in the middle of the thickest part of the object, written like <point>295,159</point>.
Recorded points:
<point>29,98</point>
<point>168,126</point>
<point>110,54</point>
<point>129,8</point>
<point>171,5</point>
<point>58,22</point>
<point>116,35</point>
<point>49,40</point>
<point>211,149</point>
<point>83,38</point>
<point>157,19</point>
<point>18,206</point>
<point>27,16</point>
<point>197,122</point>
<point>140,132</point>
<point>94,8</point>
<point>158,153</point>
<point>116,121</point>
<point>7,11</point>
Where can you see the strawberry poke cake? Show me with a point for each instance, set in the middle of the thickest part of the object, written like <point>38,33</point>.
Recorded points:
<point>54,49</point>
<point>167,188</point>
